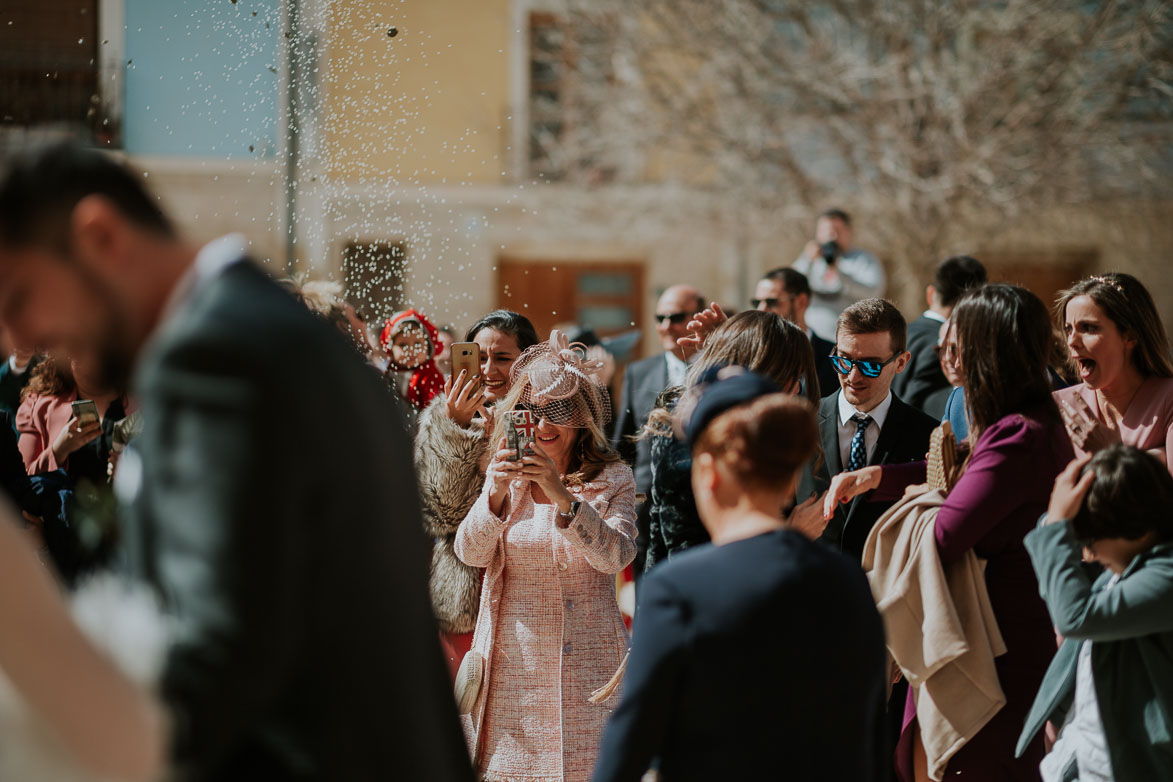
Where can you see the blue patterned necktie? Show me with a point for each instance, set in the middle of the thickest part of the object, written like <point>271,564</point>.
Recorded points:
<point>858,457</point>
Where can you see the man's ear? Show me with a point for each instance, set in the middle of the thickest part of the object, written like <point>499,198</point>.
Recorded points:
<point>98,230</point>
<point>902,362</point>
<point>801,302</point>
<point>930,294</point>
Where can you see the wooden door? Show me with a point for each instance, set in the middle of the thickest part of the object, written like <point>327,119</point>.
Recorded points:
<point>605,295</point>
<point>1044,274</point>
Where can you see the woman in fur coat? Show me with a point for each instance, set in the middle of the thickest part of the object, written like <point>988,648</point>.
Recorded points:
<point>451,455</point>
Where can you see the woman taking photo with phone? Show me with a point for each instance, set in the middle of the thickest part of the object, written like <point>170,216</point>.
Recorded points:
<point>52,436</point>
<point>552,528</point>
<point>1018,447</point>
<point>1120,351</point>
<point>451,455</point>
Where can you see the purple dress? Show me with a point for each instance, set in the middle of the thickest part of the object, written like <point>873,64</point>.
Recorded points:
<point>999,498</point>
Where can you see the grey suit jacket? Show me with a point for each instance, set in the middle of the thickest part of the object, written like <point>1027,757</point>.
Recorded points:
<point>278,518</point>
<point>642,383</point>
<point>904,438</point>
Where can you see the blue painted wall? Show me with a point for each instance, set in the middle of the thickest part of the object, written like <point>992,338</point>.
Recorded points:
<point>201,78</point>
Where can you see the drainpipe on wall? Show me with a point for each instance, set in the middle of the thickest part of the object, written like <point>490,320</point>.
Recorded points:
<point>292,39</point>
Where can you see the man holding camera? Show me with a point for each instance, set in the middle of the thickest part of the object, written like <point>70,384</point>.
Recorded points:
<point>839,273</point>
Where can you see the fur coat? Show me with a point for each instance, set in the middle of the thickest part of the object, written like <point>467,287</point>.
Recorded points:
<point>450,463</point>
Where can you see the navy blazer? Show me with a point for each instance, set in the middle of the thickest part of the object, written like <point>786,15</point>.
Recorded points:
<point>759,659</point>
<point>904,438</point>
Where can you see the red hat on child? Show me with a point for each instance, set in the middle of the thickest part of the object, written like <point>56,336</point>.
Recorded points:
<point>401,319</point>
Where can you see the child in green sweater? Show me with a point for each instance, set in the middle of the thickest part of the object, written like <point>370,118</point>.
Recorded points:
<point>1110,686</point>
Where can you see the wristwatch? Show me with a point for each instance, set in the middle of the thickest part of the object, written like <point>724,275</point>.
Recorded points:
<point>569,515</point>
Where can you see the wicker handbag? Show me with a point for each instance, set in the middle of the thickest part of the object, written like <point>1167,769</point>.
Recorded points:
<point>945,463</point>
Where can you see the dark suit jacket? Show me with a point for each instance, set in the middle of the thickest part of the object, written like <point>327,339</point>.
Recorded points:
<point>923,374</point>
<point>278,517</point>
<point>11,384</point>
<point>14,479</point>
<point>904,438</point>
<point>828,377</point>
<point>642,383</point>
<point>760,659</point>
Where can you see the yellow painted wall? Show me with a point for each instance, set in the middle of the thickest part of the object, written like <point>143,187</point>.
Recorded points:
<point>428,106</point>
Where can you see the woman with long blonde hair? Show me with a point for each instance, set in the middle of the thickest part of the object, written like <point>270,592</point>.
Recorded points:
<point>756,340</point>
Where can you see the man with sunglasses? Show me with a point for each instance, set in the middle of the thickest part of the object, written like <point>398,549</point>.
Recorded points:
<point>642,383</point>
<point>787,294</point>
<point>864,423</point>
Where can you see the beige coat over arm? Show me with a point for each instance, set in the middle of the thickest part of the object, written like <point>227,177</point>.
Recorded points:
<point>548,629</point>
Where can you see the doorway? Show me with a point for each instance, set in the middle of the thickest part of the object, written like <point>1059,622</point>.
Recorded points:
<point>607,296</point>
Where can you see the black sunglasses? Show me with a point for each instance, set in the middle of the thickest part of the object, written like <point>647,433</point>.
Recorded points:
<point>770,303</point>
<point>676,318</point>
<point>868,368</point>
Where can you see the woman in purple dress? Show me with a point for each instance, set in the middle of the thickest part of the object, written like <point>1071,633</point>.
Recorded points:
<point>1017,446</point>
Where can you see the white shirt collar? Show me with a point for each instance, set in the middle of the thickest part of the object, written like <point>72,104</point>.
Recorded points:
<point>212,259</point>
<point>878,413</point>
<point>933,315</point>
<point>677,369</point>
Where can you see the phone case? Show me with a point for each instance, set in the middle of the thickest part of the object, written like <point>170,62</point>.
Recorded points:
<point>468,359</point>
<point>86,412</point>
<point>520,432</point>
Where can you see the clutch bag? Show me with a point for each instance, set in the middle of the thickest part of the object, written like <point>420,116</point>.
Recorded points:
<point>470,677</point>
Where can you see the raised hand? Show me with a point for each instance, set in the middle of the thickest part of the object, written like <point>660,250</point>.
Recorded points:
<point>807,517</point>
<point>73,436</point>
<point>1069,490</point>
<point>702,325</point>
<point>537,466</point>
<point>464,397</point>
<point>501,472</point>
<point>847,485</point>
<point>1088,433</point>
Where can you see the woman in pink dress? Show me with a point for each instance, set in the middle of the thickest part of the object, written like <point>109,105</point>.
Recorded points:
<point>1121,353</point>
<point>552,530</point>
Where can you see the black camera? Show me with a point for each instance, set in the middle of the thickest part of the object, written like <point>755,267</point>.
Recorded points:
<point>829,251</point>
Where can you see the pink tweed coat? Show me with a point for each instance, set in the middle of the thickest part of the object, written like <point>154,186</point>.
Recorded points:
<point>548,627</point>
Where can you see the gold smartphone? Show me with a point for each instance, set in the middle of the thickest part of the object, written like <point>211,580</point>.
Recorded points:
<point>466,356</point>
<point>86,412</point>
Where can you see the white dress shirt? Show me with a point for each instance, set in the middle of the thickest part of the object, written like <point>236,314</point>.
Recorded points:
<point>1081,739</point>
<point>677,369</point>
<point>847,427</point>
<point>212,259</point>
